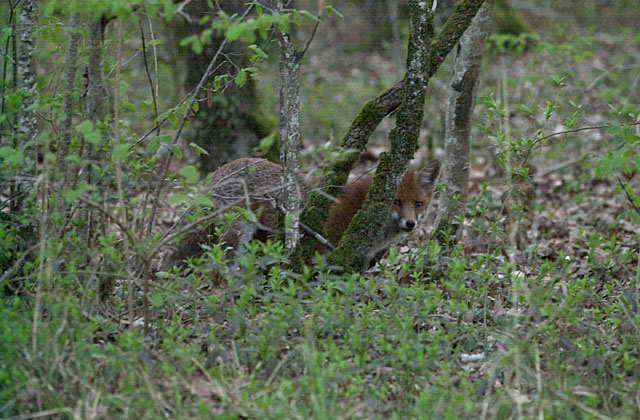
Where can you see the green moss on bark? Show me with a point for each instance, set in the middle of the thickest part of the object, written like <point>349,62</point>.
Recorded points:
<point>367,227</point>
<point>317,207</point>
<point>372,113</point>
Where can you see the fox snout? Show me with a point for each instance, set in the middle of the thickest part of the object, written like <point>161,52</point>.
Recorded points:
<point>407,225</point>
<point>406,215</point>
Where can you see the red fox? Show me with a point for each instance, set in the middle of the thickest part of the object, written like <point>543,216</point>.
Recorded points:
<point>409,206</point>
<point>256,184</point>
<point>251,183</point>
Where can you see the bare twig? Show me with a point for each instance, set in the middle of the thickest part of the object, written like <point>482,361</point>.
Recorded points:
<point>115,220</point>
<point>308,44</point>
<point>540,175</point>
<point>576,130</point>
<point>167,161</point>
<point>146,69</point>
<point>626,192</point>
<point>324,241</point>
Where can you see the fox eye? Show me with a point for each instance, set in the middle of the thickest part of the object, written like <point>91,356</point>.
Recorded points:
<point>419,204</point>
<point>396,202</point>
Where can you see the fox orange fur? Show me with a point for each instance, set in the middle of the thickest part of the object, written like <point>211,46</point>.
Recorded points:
<point>414,194</point>
<point>256,185</point>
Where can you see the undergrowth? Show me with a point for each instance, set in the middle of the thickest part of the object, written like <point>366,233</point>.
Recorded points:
<point>534,314</point>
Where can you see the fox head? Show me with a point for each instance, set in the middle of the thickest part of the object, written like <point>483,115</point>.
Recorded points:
<point>408,207</point>
<point>413,197</point>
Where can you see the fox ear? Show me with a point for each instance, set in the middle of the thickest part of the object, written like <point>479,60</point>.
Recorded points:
<point>429,174</point>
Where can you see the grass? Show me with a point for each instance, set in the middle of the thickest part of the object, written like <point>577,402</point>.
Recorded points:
<point>487,341</point>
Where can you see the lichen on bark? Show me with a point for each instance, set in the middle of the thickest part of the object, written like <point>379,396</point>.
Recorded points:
<point>27,120</point>
<point>455,176</point>
<point>366,228</point>
<point>317,207</point>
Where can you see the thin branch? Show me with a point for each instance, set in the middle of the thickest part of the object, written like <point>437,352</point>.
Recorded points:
<point>115,220</point>
<point>167,161</point>
<point>324,241</point>
<point>626,192</point>
<point>301,54</point>
<point>595,127</point>
<point>146,69</point>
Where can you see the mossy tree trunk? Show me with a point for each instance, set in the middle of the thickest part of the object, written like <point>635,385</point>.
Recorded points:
<point>317,207</point>
<point>455,169</point>
<point>368,224</point>
<point>227,125</point>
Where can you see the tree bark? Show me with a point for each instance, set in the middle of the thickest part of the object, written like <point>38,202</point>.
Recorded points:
<point>27,120</point>
<point>290,136</point>
<point>367,227</point>
<point>455,174</point>
<point>71,68</point>
<point>97,93</point>
<point>317,207</point>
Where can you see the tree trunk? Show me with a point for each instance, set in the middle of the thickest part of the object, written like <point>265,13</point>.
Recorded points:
<point>290,135</point>
<point>367,227</point>
<point>317,207</point>
<point>27,120</point>
<point>455,174</point>
<point>71,67</point>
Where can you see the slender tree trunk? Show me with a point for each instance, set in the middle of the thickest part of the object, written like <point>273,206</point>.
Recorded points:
<point>19,131</point>
<point>290,136</point>
<point>27,120</point>
<point>27,134</point>
<point>71,68</point>
<point>462,90</point>
<point>96,90</point>
<point>96,109</point>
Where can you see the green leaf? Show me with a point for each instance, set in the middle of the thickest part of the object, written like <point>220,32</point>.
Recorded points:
<point>203,200</point>
<point>234,32</point>
<point>190,174</point>
<point>241,78</point>
<point>297,17</point>
<point>217,81</point>
<point>71,196</point>
<point>11,155</point>
<point>258,53</point>
<point>120,152</point>
<point>85,127</point>
<point>309,15</point>
<point>333,11</point>
<point>89,132</point>
<point>195,43</point>
<point>267,142</point>
<point>199,150</point>
<point>177,198</point>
